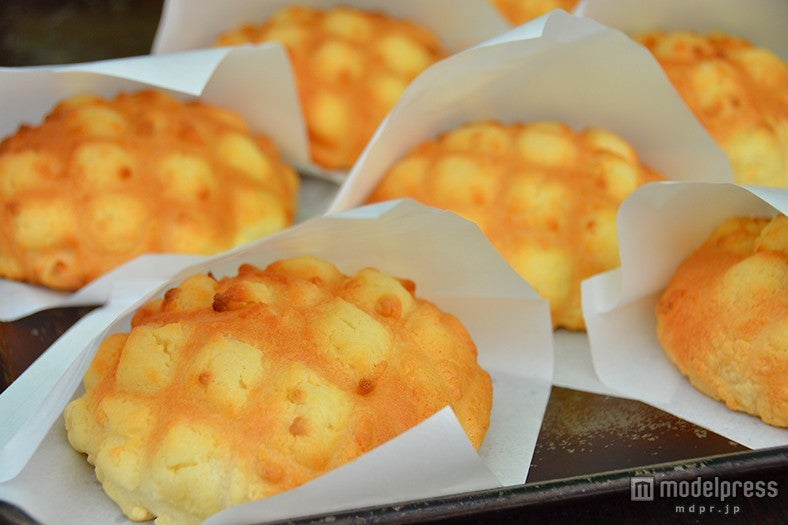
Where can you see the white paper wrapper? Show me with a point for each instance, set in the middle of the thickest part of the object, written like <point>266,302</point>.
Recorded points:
<point>558,67</point>
<point>762,22</point>
<point>239,79</point>
<point>659,226</point>
<point>193,24</point>
<point>506,318</point>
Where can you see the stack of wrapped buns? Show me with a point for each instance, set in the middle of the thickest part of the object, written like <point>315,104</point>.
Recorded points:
<point>235,389</point>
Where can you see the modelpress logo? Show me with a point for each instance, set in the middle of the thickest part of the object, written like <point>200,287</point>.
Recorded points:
<point>644,488</point>
<point>641,489</point>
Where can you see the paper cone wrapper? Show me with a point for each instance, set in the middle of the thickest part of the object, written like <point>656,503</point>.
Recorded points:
<point>508,321</point>
<point>246,80</point>
<point>660,225</point>
<point>196,24</point>
<point>563,68</point>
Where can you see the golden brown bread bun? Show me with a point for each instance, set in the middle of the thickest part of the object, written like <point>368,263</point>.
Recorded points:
<point>723,318</point>
<point>545,195</point>
<point>521,11</point>
<point>351,66</point>
<point>234,390</point>
<point>739,92</point>
<point>100,182</point>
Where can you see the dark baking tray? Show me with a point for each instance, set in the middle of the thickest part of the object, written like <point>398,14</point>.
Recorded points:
<point>589,447</point>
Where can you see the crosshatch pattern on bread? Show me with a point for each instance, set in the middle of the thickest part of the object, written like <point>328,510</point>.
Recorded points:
<point>351,67</point>
<point>232,390</point>
<point>738,91</point>
<point>101,181</point>
<point>545,195</point>
<point>723,318</point>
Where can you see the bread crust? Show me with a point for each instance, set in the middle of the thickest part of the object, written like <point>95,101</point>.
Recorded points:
<point>723,318</point>
<point>544,194</point>
<point>102,181</point>
<point>521,11</point>
<point>738,91</point>
<point>351,66</point>
<point>232,390</point>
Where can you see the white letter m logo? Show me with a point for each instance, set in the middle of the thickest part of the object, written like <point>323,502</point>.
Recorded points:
<point>641,489</point>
